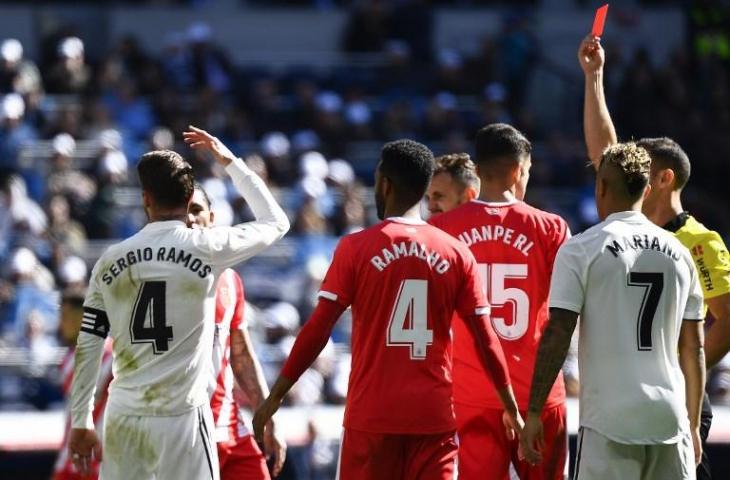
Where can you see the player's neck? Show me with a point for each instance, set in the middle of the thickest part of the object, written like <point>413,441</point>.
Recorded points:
<point>667,210</point>
<point>491,192</point>
<point>414,212</point>
<point>164,215</point>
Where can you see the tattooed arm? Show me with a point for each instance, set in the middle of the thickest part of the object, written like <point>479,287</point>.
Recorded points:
<point>550,358</point>
<point>250,377</point>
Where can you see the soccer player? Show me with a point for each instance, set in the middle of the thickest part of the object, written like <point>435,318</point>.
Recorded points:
<point>154,293</point>
<point>72,302</point>
<point>454,183</point>
<point>234,360</point>
<point>403,279</point>
<point>670,170</point>
<point>636,290</point>
<point>515,246</point>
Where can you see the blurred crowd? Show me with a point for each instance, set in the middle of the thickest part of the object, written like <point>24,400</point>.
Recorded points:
<point>72,129</point>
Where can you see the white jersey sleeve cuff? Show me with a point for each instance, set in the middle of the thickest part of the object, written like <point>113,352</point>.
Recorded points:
<point>327,295</point>
<point>566,306</point>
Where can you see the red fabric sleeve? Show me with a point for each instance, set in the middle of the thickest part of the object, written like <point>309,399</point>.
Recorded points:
<point>489,349</point>
<point>339,282</point>
<point>312,338</point>
<point>238,321</point>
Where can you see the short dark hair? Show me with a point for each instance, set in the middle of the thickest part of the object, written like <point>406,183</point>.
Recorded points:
<point>634,164</point>
<point>498,142</point>
<point>409,166</point>
<point>167,177</point>
<point>197,186</point>
<point>666,153</point>
<point>459,166</point>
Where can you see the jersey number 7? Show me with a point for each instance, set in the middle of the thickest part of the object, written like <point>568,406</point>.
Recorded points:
<point>151,299</point>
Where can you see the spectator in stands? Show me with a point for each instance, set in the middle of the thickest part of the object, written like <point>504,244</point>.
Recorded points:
<point>62,229</point>
<point>66,180</point>
<point>70,73</point>
<point>14,132</point>
<point>18,75</point>
<point>210,65</point>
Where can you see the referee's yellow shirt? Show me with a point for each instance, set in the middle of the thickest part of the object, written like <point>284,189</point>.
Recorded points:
<point>708,252</point>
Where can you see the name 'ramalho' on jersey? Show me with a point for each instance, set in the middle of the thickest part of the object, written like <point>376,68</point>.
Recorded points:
<point>632,283</point>
<point>154,293</point>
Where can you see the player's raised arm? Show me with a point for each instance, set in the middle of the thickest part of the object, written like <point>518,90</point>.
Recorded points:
<point>233,245</point>
<point>597,125</point>
<point>83,441</point>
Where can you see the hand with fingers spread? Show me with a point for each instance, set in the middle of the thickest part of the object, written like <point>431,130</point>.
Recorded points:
<point>274,446</point>
<point>532,440</point>
<point>83,446</point>
<point>591,55</point>
<point>198,138</point>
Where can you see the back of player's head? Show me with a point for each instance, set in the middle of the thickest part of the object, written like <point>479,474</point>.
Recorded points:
<point>167,177</point>
<point>199,188</point>
<point>500,147</point>
<point>459,167</point>
<point>666,153</point>
<point>409,167</point>
<point>625,166</point>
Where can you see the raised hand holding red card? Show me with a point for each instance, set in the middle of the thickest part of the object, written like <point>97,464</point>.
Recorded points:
<point>599,21</point>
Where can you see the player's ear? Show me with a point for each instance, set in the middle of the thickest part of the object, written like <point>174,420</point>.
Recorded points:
<point>666,177</point>
<point>212,216</point>
<point>470,193</point>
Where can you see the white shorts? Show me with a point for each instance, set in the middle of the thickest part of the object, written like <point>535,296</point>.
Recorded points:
<point>599,458</point>
<point>159,448</point>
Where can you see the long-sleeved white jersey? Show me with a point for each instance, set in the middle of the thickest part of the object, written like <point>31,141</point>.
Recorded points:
<point>154,293</point>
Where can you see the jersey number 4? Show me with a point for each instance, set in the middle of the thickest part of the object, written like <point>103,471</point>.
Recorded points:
<point>653,284</point>
<point>493,277</point>
<point>151,300</point>
<point>408,324</point>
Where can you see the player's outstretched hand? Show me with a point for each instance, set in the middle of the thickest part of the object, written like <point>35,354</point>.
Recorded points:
<point>200,139</point>
<point>697,445</point>
<point>591,55</point>
<point>262,419</point>
<point>513,423</point>
<point>274,447</point>
<point>532,441</point>
<point>83,446</point>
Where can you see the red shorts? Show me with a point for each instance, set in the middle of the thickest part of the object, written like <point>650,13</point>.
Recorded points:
<point>242,458</point>
<point>368,456</point>
<point>67,474</point>
<point>486,452</point>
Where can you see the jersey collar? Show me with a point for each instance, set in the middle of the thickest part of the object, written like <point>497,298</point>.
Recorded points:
<point>407,221</point>
<point>627,215</point>
<point>496,204</point>
<point>677,222</point>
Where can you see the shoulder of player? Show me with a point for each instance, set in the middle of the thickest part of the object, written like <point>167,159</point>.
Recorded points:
<point>695,234</point>
<point>547,219</point>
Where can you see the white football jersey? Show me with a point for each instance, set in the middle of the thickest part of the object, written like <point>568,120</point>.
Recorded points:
<point>632,283</point>
<point>154,293</point>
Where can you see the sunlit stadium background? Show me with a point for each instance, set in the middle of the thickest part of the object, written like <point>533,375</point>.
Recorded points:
<point>309,90</point>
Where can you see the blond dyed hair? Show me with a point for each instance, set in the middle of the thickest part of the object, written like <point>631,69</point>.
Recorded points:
<point>633,162</point>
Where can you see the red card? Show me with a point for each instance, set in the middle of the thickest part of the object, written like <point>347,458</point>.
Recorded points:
<point>599,21</point>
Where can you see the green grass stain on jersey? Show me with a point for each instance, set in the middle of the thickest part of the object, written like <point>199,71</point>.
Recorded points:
<point>124,438</point>
<point>126,361</point>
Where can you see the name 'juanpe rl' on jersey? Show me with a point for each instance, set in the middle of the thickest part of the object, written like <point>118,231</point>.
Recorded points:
<point>154,293</point>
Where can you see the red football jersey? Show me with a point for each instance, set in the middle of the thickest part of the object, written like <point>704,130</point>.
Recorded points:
<point>515,246</point>
<point>404,279</point>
